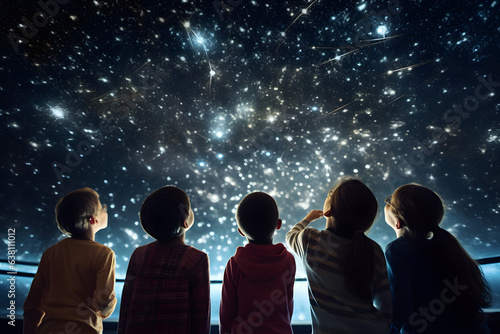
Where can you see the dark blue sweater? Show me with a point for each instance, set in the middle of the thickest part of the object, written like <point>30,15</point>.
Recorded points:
<point>422,301</point>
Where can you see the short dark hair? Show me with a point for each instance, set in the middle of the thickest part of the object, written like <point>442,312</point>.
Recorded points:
<point>163,212</point>
<point>74,210</point>
<point>257,216</point>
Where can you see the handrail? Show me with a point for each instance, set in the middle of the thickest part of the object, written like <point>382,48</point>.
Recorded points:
<point>489,260</point>
<point>483,261</point>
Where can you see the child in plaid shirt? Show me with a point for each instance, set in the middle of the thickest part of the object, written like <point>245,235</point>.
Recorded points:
<point>167,288</point>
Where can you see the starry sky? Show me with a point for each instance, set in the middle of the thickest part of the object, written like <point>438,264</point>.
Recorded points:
<point>222,98</point>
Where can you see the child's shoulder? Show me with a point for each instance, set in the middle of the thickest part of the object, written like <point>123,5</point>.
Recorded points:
<point>401,247</point>
<point>68,243</point>
<point>289,255</point>
<point>82,250</point>
<point>196,252</point>
<point>199,257</point>
<point>375,245</point>
<point>98,247</point>
<point>282,246</point>
<point>398,244</point>
<point>194,259</point>
<point>187,251</point>
<point>379,252</point>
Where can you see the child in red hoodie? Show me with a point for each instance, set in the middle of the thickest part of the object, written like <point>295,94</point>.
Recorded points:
<point>257,292</point>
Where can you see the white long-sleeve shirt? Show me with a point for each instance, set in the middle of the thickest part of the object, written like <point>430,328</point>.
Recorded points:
<point>333,308</point>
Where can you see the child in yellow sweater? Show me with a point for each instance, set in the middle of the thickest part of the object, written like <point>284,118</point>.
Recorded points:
<point>73,289</point>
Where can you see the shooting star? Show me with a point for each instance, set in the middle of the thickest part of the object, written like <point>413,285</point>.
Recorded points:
<point>409,67</point>
<point>414,88</point>
<point>302,12</point>
<point>345,105</point>
<point>337,58</point>
<point>366,43</point>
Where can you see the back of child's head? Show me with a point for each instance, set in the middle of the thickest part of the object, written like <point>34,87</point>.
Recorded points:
<point>163,213</point>
<point>420,211</point>
<point>74,210</point>
<point>418,208</point>
<point>257,216</point>
<point>353,206</point>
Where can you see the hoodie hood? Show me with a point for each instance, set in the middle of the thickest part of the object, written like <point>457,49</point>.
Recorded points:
<point>262,262</point>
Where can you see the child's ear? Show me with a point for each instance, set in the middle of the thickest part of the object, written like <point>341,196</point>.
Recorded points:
<point>398,224</point>
<point>327,213</point>
<point>242,234</point>
<point>92,220</point>
<point>279,224</point>
<point>185,224</point>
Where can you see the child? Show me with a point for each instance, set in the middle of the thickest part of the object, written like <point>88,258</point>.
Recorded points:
<point>348,285</point>
<point>73,289</point>
<point>167,288</point>
<point>257,292</point>
<point>436,286</point>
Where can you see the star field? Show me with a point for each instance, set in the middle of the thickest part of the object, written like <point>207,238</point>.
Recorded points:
<point>283,97</point>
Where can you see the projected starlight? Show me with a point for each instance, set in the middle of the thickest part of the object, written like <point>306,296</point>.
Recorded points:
<point>382,30</point>
<point>282,97</point>
<point>57,111</point>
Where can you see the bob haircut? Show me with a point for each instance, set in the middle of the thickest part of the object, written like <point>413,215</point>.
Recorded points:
<point>257,216</point>
<point>74,210</point>
<point>163,212</point>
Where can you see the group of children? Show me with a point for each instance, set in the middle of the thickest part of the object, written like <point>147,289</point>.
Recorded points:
<point>425,282</point>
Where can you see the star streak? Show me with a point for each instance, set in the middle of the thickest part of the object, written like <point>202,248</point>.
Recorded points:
<point>414,88</point>
<point>409,67</point>
<point>345,105</point>
<point>303,11</point>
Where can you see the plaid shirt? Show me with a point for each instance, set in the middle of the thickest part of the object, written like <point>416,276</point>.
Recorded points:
<point>167,290</point>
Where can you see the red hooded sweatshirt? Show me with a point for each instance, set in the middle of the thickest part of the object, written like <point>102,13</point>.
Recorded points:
<point>257,292</point>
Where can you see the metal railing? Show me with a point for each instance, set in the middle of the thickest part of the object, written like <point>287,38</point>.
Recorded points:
<point>483,261</point>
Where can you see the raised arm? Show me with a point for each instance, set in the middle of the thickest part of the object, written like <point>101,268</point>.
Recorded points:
<point>293,238</point>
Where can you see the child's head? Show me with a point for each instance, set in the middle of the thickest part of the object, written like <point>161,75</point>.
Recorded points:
<point>258,217</point>
<point>417,209</point>
<point>166,213</point>
<point>78,211</point>
<point>352,206</point>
